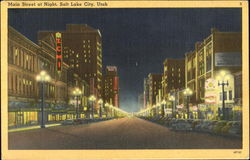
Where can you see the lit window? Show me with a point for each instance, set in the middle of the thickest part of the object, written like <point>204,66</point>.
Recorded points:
<point>77,56</point>
<point>88,40</point>
<point>77,65</point>
<point>85,60</point>
<point>172,69</point>
<point>83,41</point>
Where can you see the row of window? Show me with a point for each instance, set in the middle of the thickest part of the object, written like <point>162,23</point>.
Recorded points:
<point>19,84</point>
<point>22,58</point>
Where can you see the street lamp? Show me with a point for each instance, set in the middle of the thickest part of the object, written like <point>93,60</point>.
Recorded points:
<point>43,77</point>
<point>172,99</point>
<point>188,92</point>
<point>77,93</point>
<point>100,102</point>
<point>163,107</point>
<point>223,76</point>
<point>92,99</point>
<point>112,110</point>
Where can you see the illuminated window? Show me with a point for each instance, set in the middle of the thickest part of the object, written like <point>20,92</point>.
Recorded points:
<point>89,41</point>
<point>172,69</point>
<point>77,56</point>
<point>88,51</point>
<point>83,46</point>
<point>83,41</point>
<point>85,60</point>
<point>88,46</point>
<point>77,65</point>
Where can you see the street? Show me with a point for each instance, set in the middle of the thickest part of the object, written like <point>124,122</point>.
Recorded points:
<point>125,133</point>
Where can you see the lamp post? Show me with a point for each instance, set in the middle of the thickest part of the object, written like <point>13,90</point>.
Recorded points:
<point>223,77</point>
<point>77,93</point>
<point>43,77</point>
<point>188,92</point>
<point>172,99</point>
<point>100,102</point>
<point>92,99</point>
<point>163,107</point>
<point>112,110</point>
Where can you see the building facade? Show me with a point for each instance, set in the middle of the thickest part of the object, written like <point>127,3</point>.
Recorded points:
<point>173,76</point>
<point>82,51</point>
<point>25,61</point>
<point>146,93</point>
<point>111,86</point>
<point>220,51</point>
<point>154,81</point>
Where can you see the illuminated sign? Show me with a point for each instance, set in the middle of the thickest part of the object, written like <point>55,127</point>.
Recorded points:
<point>210,91</point>
<point>112,68</point>
<point>115,83</point>
<point>210,84</point>
<point>59,51</point>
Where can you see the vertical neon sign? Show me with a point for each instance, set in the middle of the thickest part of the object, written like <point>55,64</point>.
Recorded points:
<point>59,51</point>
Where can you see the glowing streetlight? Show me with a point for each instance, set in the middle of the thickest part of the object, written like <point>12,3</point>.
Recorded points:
<point>188,92</point>
<point>100,102</point>
<point>172,99</point>
<point>92,99</point>
<point>163,107</point>
<point>77,93</point>
<point>222,77</point>
<point>43,77</point>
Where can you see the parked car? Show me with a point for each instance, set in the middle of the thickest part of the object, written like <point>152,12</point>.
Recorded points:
<point>224,130</point>
<point>33,122</point>
<point>201,127</point>
<point>67,122</point>
<point>218,126</point>
<point>172,123</point>
<point>182,125</point>
<point>195,123</point>
<point>235,130</point>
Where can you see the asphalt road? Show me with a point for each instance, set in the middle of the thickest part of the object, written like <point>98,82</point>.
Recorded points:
<point>125,133</point>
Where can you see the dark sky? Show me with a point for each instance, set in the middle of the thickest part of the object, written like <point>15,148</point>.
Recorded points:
<point>135,40</point>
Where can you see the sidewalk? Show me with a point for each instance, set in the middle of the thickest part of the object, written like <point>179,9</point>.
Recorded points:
<point>31,127</point>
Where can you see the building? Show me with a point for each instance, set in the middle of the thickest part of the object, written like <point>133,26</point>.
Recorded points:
<point>173,76</point>
<point>146,93</point>
<point>82,51</point>
<point>238,88</point>
<point>25,61</point>
<point>154,81</point>
<point>220,51</point>
<point>111,86</point>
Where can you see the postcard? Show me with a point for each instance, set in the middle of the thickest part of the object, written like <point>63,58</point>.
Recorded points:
<point>124,80</point>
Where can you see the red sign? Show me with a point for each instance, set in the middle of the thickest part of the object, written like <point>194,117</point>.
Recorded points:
<point>59,51</point>
<point>115,83</point>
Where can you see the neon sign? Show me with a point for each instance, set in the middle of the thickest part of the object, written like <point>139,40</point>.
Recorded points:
<point>59,51</point>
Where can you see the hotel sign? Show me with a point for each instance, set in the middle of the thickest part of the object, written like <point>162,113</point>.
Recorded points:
<point>59,51</point>
<point>228,59</point>
<point>210,91</point>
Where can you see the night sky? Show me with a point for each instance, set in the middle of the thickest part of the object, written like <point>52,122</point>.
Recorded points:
<point>135,40</point>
